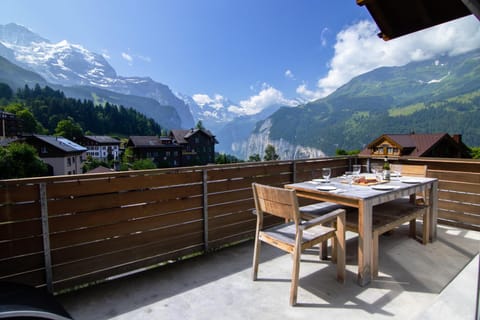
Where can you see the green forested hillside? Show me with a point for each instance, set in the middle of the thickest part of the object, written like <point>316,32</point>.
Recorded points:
<point>49,106</point>
<point>439,95</point>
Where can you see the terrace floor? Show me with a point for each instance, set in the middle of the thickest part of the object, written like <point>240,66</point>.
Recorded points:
<point>415,282</point>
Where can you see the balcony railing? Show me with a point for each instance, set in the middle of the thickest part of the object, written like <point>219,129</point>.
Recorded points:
<point>63,232</point>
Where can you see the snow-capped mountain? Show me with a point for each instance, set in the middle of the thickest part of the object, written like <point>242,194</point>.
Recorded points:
<point>213,112</point>
<point>69,64</point>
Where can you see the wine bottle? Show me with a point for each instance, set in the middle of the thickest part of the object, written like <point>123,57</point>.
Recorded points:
<point>386,170</point>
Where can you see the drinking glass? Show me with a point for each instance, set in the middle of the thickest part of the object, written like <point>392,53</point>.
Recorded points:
<point>349,176</point>
<point>326,172</point>
<point>357,169</point>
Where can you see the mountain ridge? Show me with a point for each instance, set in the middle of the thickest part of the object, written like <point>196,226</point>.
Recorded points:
<point>71,65</point>
<point>441,95</point>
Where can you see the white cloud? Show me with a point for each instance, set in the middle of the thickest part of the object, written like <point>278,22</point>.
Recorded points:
<point>218,102</point>
<point>289,74</point>
<point>127,57</point>
<point>267,97</point>
<point>144,58</point>
<point>358,50</point>
<point>323,37</point>
<point>201,99</point>
<point>105,54</point>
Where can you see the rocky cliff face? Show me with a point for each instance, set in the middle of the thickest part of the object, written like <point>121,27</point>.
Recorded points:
<point>258,141</point>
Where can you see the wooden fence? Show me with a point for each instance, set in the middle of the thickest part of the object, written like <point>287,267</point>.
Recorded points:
<point>63,232</point>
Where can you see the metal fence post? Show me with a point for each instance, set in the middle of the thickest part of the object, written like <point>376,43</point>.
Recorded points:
<point>46,237</point>
<point>294,169</point>
<point>205,210</point>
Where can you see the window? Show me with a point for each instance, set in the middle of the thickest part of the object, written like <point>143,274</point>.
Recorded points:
<point>43,149</point>
<point>69,163</point>
<point>168,154</point>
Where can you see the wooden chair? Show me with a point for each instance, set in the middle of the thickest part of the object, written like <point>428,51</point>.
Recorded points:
<point>390,215</point>
<point>295,236</point>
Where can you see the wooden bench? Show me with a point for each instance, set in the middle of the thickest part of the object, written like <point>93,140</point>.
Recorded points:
<point>391,215</point>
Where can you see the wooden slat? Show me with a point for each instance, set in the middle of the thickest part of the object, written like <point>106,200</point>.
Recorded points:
<point>99,275</point>
<point>459,196</point>
<point>460,187</point>
<point>231,207</point>
<point>230,196</point>
<point>252,171</point>
<point>230,230</point>
<point>123,228</point>
<point>13,248</point>
<point>21,264</point>
<point>459,216</point>
<point>32,278</point>
<point>465,177</point>
<point>230,219</point>
<point>75,269</point>
<point>18,193</point>
<point>116,215</point>
<point>17,230</point>
<point>9,213</point>
<point>460,207</point>
<point>244,183</point>
<point>105,246</point>
<point>115,200</point>
<point>82,187</point>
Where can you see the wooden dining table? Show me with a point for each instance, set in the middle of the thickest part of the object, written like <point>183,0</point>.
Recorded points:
<point>364,198</point>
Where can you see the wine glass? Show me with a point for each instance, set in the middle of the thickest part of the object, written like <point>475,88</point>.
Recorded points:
<point>326,172</point>
<point>357,169</point>
<point>349,176</point>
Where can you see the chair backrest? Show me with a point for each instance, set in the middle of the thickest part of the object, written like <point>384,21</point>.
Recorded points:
<point>279,202</point>
<point>410,169</point>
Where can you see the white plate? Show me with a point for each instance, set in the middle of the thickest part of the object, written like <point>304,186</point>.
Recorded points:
<point>319,180</point>
<point>326,188</point>
<point>383,187</point>
<point>410,181</point>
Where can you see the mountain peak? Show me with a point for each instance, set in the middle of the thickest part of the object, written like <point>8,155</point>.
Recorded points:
<point>19,35</point>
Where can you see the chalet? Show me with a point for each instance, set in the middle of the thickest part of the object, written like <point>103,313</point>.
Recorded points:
<point>198,146</point>
<point>161,150</point>
<point>102,148</point>
<point>62,156</point>
<point>418,145</point>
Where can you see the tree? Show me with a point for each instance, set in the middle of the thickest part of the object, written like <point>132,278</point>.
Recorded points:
<point>270,153</point>
<point>475,152</point>
<point>69,129</point>
<point>143,164</point>
<point>342,152</point>
<point>254,158</point>
<point>5,92</point>
<point>20,160</point>
<point>200,125</point>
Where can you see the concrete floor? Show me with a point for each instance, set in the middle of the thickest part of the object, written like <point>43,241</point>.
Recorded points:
<point>415,282</point>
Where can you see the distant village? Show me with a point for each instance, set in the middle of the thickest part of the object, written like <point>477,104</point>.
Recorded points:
<point>194,146</point>
<point>191,147</point>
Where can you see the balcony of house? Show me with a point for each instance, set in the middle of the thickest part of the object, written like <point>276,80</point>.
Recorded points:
<point>177,243</point>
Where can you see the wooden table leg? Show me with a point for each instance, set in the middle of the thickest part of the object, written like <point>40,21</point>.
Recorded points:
<point>364,242</point>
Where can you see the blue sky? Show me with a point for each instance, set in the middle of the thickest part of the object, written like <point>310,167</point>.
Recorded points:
<point>253,52</point>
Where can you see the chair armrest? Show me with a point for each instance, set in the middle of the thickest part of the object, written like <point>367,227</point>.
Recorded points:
<point>324,219</point>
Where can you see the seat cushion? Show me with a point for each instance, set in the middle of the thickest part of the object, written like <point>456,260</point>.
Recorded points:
<point>318,209</point>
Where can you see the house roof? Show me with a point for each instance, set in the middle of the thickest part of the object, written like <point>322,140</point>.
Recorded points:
<point>61,143</point>
<point>100,169</point>
<point>145,141</point>
<point>418,143</point>
<point>181,136</point>
<point>397,18</point>
<point>103,139</point>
